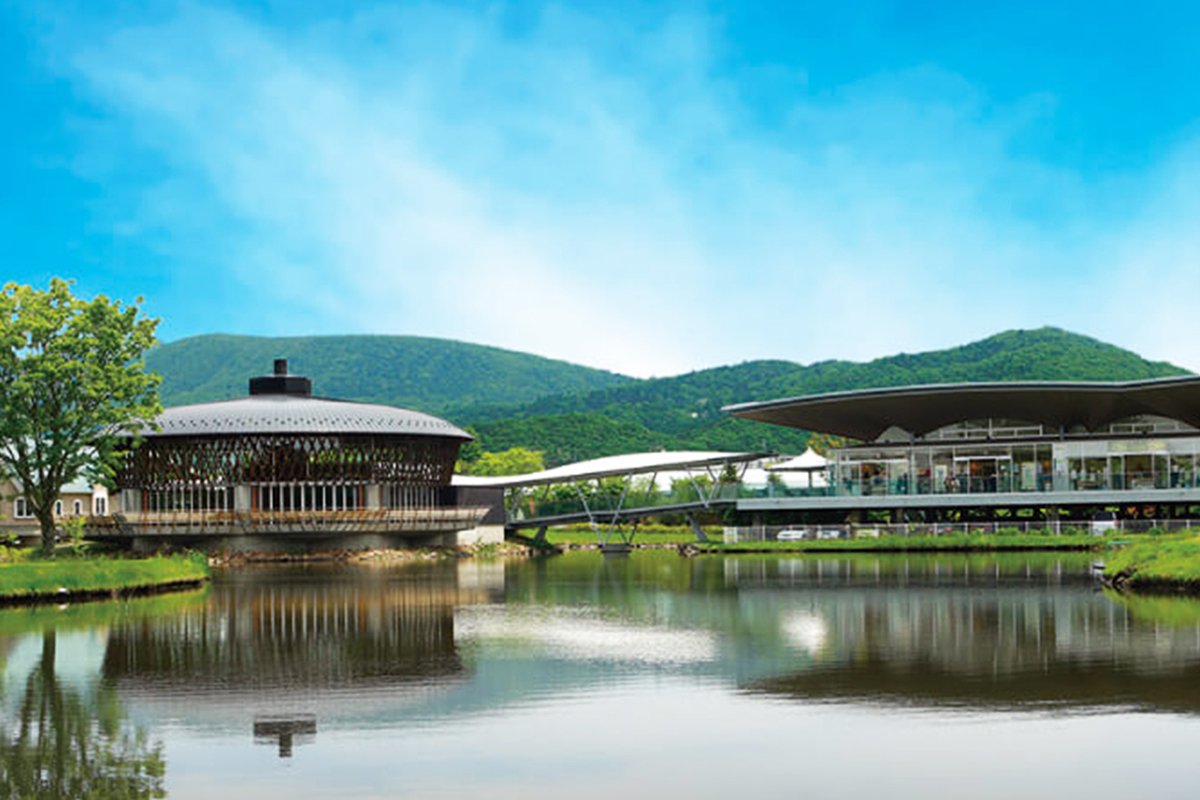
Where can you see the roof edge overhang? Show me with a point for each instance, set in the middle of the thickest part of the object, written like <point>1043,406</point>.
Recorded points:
<point>253,426</point>
<point>865,413</point>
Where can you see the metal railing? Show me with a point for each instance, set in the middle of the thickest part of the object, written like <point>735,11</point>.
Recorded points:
<point>988,484</point>
<point>770,533</point>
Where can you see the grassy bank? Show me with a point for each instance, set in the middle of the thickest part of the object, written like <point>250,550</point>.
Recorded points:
<point>957,542</point>
<point>1168,562</point>
<point>75,577</point>
<point>681,534</point>
<point>24,618</point>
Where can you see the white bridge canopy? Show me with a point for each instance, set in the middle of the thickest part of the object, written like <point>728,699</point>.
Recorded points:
<point>611,466</point>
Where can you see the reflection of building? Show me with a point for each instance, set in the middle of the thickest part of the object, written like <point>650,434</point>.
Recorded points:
<point>967,632</point>
<point>285,731</point>
<point>1074,446</point>
<point>281,463</point>
<point>376,649</point>
<point>333,645</point>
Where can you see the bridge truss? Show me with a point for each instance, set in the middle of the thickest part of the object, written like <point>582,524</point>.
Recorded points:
<point>613,495</point>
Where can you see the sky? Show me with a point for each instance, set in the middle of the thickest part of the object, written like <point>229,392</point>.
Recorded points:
<point>646,187</point>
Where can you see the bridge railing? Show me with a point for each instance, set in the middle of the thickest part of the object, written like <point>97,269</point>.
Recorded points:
<point>528,505</point>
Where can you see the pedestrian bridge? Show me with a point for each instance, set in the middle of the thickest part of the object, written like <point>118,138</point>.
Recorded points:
<point>614,493</point>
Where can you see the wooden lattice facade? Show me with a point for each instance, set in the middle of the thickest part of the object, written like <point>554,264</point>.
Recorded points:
<point>281,460</point>
<point>289,472</point>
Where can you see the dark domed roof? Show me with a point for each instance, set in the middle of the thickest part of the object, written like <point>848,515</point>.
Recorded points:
<point>282,403</point>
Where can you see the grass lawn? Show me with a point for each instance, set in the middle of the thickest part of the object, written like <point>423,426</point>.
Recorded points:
<point>1166,561</point>
<point>32,578</point>
<point>681,534</point>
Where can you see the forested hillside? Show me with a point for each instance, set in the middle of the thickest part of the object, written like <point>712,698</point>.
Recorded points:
<point>410,371</point>
<point>571,412</point>
<point>685,411</point>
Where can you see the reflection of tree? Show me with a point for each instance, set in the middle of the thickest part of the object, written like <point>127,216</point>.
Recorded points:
<point>62,744</point>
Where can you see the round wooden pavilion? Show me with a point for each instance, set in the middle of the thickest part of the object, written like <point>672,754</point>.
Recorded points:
<point>283,462</point>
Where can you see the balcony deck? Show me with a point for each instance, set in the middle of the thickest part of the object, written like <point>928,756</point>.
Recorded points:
<point>235,523</point>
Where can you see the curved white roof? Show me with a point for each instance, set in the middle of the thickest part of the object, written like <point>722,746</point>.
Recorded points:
<point>609,466</point>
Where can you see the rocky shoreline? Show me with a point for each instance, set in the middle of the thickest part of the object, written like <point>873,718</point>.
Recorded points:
<point>389,556</point>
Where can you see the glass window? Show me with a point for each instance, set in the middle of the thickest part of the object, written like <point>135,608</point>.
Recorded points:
<point>77,507</point>
<point>20,508</point>
<point>58,508</point>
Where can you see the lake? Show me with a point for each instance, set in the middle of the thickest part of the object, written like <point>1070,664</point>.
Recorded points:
<point>647,675</point>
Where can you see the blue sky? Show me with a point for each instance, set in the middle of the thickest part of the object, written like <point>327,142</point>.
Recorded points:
<point>645,187</point>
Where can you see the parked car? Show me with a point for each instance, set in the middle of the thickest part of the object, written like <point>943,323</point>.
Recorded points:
<point>829,533</point>
<point>1105,522</point>
<point>791,535</point>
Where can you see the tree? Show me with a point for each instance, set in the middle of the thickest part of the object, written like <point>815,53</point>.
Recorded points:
<point>514,461</point>
<point>72,380</point>
<point>468,453</point>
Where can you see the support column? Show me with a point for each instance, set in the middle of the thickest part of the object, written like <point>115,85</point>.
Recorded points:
<point>241,498</point>
<point>372,495</point>
<point>131,501</point>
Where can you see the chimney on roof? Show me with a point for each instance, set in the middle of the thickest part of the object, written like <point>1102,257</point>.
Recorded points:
<point>281,382</point>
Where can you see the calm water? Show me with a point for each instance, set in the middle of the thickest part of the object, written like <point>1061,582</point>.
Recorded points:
<point>580,676</point>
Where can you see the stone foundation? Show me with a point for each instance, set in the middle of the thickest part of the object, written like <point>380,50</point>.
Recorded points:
<point>483,534</point>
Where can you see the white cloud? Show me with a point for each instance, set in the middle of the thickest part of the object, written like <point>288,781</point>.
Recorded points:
<point>588,192</point>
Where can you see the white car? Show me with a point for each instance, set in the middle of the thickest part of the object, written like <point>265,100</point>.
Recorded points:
<point>791,535</point>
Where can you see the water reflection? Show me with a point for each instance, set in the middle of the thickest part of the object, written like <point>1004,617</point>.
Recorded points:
<point>995,633</point>
<point>59,740</point>
<point>1014,632</point>
<point>335,645</point>
<point>285,732</point>
<point>297,659</point>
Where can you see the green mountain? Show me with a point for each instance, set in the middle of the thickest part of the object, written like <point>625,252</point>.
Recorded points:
<point>570,412</point>
<point>685,411</point>
<point>410,371</point>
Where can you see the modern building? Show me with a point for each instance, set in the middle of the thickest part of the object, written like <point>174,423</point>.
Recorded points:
<point>928,452</point>
<point>281,467</point>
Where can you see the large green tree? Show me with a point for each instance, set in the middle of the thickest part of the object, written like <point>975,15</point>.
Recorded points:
<point>514,461</point>
<point>72,380</point>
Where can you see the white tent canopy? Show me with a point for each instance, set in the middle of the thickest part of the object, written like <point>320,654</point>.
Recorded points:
<point>810,464</point>
<point>809,461</point>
